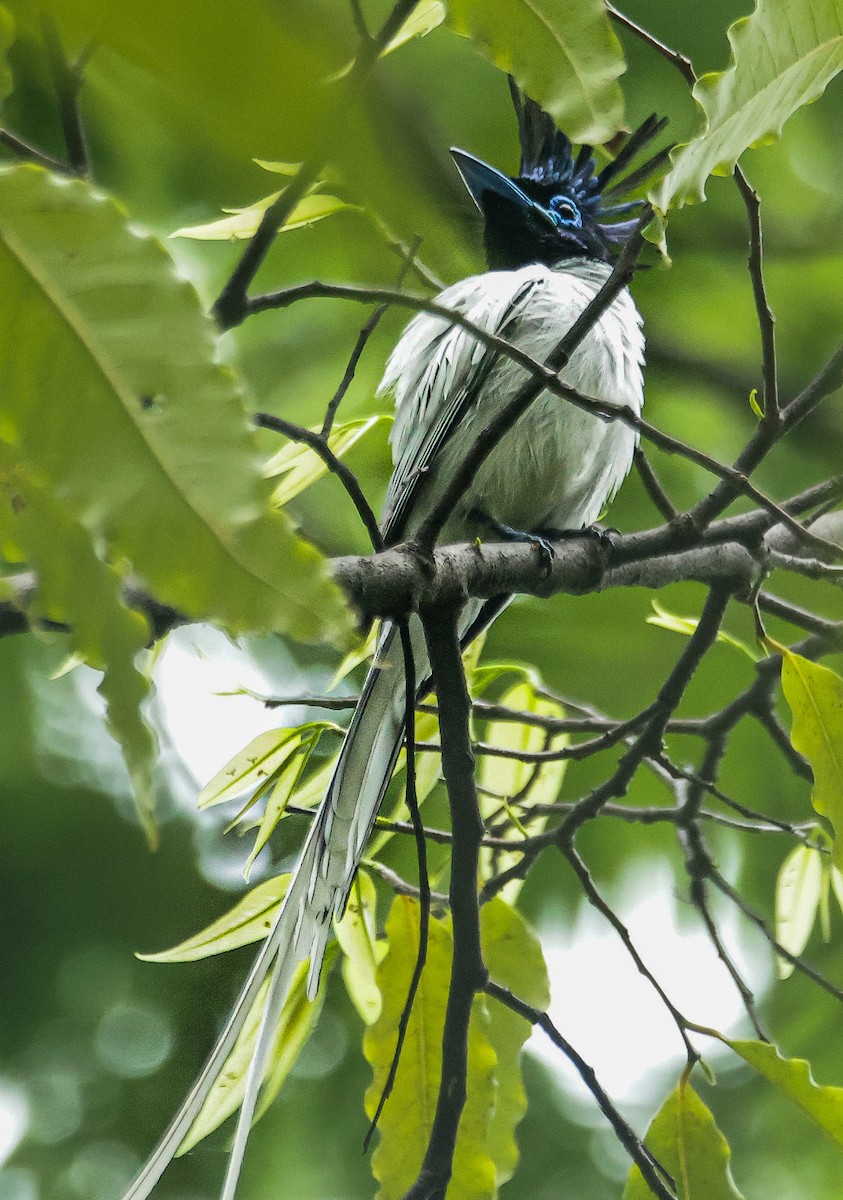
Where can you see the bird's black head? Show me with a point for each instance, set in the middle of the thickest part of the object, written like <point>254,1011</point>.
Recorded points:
<point>558,206</point>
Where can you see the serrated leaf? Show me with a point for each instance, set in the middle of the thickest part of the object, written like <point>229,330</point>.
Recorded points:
<point>77,588</point>
<point>513,954</point>
<point>243,222</point>
<point>249,921</point>
<point>685,1139</point>
<point>563,55</point>
<point>798,892</point>
<point>299,466</point>
<point>407,1118</point>
<point>815,696</point>
<point>362,951</point>
<point>152,435</point>
<point>662,618</point>
<point>503,780</point>
<point>783,56</point>
<point>792,1077</point>
<point>298,1018</point>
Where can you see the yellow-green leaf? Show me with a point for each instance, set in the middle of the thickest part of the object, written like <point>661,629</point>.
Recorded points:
<point>815,696</point>
<point>298,1017</point>
<point>407,1118</point>
<point>362,951</point>
<point>792,1077</point>
<point>662,618</point>
<point>249,921</point>
<point>798,892</point>
<point>424,18</point>
<point>242,223</point>
<point>783,56</point>
<point>505,780</point>
<point>513,954</point>
<point>152,436</point>
<point>564,55</point>
<point>252,766</point>
<point>299,466</point>
<point>285,781</point>
<point>685,1139</point>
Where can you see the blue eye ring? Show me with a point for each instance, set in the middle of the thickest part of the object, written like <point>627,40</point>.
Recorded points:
<point>564,213</point>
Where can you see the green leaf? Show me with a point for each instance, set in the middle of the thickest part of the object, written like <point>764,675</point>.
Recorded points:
<point>243,222</point>
<point>7,37</point>
<point>258,762</point>
<point>285,781</point>
<point>754,405</point>
<point>563,55</point>
<point>513,954</point>
<point>783,56</point>
<point>798,892</point>
<point>407,1118</point>
<point>815,696</point>
<point>687,1142</point>
<point>664,619</point>
<point>252,766</point>
<point>503,780</point>
<point>152,435</point>
<point>249,921</point>
<point>792,1077</point>
<point>362,952</point>
<point>299,466</point>
<point>77,588</point>
<point>298,1018</point>
<point>424,18</point>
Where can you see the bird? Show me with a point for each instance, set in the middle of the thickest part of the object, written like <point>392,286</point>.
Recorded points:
<point>550,235</point>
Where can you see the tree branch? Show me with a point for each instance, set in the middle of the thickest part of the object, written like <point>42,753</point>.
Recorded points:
<point>468,974</point>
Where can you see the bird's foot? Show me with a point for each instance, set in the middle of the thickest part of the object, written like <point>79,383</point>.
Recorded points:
<point>507,534</point>
<point>607,539</point>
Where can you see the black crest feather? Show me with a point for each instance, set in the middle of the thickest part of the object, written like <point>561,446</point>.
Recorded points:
<point>547,158</point>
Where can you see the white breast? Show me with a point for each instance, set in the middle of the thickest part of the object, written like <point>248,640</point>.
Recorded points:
<point>559,466</point>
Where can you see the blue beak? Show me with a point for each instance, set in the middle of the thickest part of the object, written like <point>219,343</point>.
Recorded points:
<point>480,179</point>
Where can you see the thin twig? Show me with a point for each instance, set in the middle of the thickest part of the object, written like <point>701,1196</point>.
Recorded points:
<point>766,320</point>
<point>653,486</point>
<point>230,307</point>
<point>362,340</point>
<point>347,478</point>
<point>658,1180</point>
<point>758,921</point>
<point>29,153</point>
<point>596,901</point>
<point>543,378</point>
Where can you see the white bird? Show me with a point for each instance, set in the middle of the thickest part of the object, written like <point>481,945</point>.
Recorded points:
<point>548,235</point>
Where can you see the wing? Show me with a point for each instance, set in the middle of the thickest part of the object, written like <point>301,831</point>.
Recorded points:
<point>438,372</point>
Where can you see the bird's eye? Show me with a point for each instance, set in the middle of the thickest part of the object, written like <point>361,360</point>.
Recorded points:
<point>563,212</point>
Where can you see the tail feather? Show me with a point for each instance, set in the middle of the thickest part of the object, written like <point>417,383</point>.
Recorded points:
<point>318,891</point>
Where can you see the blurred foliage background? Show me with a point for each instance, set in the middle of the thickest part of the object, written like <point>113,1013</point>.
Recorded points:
<point>96,1049</point>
